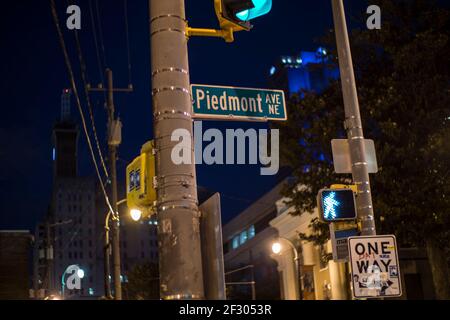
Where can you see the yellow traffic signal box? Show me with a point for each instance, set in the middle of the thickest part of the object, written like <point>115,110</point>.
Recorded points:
<point>141,192</point>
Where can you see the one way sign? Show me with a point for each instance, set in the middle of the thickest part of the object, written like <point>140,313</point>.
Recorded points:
<point>375,267</point>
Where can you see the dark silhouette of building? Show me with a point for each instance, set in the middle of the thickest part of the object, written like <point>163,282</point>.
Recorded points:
<point>15,257</point>
<point>65,141</point>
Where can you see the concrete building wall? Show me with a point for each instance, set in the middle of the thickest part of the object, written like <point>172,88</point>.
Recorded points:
<point>247,241</point>
<point>78,234</point>
<point>15,267</point>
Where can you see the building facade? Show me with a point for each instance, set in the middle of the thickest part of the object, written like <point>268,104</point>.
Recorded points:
<point>317,278</point>
<point>15,266</point>
<point>307,71</point>
<point>250,272</point>
<point>73,232</point>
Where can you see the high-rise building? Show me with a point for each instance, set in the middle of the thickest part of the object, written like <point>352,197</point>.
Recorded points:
<point>74,229</point>
<point>308,71</point>
<point>138,244</point>
<point>71,232</point>
<point>65,141</point>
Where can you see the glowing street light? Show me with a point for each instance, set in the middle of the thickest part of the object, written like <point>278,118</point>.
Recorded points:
<point>136,214</point>
<point>80,273</point>
<point>276,248</point>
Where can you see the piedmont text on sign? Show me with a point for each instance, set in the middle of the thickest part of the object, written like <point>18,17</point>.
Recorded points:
<point>375,266</point>
<point>230,103</point>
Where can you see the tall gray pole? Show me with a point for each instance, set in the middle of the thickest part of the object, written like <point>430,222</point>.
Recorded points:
<point>49,257</point>
<point>106,254</point>
<point>177,204</point>
<point>353,122</point>
<point>114,140</point>
<point>113,176</point>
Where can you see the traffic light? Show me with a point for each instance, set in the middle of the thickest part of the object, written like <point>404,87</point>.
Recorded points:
<point>236,14</point>
<point>141,192</point>
<point>337,205</point>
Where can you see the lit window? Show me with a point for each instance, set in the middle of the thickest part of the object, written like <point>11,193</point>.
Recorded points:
<point>244,237</point>
<point>91,292</point>
<point>251,232</point>
<point>322,51</point>
<point>272,71</point>
<point>235,243</point>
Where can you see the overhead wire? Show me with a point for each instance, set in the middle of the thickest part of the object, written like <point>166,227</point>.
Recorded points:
<point>127,32</point>
<point>88,101</point>
<point>78,102</point>
<point>100,64</point>
<point>100,30</point>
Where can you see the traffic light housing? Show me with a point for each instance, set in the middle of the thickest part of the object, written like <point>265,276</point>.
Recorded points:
<point>141,192</point>
<point>236,14</point>
<point>337,205</point>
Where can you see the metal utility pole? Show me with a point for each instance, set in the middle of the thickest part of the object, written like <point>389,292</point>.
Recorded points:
<point>107,253</point>
<point>49,257</point>
<point>114,140</point>
<point>180,261</point>
<point>353,123</point>
<point>112,146</point>
<point>49,253</point>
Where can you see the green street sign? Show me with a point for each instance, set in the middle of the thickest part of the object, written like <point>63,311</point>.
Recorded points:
<point>230,103</point>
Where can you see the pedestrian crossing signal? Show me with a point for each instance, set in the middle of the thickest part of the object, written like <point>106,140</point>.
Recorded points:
<point>337,205</point>
<point>141,192</point>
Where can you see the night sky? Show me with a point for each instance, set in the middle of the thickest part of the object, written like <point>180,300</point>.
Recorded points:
<point>33,75</point>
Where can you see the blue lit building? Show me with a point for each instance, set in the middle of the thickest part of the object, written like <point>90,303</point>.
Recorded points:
<point>308,71</point>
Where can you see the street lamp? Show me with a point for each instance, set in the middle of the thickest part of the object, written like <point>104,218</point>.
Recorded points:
<point>136,214</point>
<point>80,273</point>
<point>277,248</point>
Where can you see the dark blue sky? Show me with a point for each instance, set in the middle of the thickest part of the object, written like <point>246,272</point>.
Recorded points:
<point>33,74</point>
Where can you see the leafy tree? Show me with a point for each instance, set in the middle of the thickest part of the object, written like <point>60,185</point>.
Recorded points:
<point>143,282</point>
<point>403,84</point>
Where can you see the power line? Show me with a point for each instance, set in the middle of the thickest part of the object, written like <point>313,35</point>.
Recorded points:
<point>75,91</point>
<point>88,100</point>
<point>100,29</point>
<point>125,2</point>
<point>100,65</point>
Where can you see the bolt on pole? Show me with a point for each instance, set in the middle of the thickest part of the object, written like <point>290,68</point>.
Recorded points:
<point>180,259</point>
<point>353,122</point>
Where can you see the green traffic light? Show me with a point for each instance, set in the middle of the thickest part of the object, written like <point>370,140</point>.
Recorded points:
<point>261,7</point>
